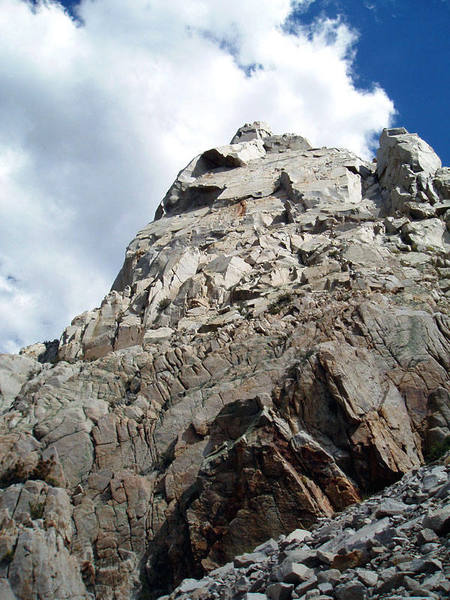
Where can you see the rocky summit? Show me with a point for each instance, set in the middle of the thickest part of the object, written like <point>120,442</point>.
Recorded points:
<point>274,350</point>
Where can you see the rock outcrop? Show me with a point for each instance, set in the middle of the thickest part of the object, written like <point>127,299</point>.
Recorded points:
<point>274,348</point>
<point>394,545</point>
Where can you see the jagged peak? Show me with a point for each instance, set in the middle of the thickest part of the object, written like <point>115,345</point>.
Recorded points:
<point>257,130</point>
<point>250,143</point>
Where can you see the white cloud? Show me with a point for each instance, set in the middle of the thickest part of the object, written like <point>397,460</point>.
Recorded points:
<point>97,119</point>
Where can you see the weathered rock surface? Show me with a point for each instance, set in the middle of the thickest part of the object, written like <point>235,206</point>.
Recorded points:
<point>274,347</point>
<point>359,554</point>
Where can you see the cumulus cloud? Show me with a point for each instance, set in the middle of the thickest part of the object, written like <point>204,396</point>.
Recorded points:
<point>98,115</point>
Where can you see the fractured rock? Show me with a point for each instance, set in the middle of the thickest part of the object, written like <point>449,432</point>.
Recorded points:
<point>274,348</point>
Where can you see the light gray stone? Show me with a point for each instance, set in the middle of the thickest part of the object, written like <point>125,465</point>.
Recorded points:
<point>279,591</point>
<point>292,572</point>
<point>329,576</point>
<point>426,536</point>
<point>389,508</point>
<point>270,340</point>
<point>6,592</point>
<point>15,371</point>
<point>244,560</point>
<point>190,585</point>
<point>267,548</point>
<point>298,536</point>
<point>368,578</point>
<point>427,235</point>
<point>351,591</point>
<point>251,131</point>
<point>307,586</point>
<point>438,520</point>
<point>237,154</point>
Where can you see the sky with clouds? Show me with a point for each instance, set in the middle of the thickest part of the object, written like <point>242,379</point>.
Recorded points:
<point>102,102</point>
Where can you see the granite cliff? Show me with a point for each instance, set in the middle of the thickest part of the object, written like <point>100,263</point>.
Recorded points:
<point>274,348</point>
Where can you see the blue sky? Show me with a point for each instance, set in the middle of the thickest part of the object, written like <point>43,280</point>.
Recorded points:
<point>404,45</point>
<point>98,115</point>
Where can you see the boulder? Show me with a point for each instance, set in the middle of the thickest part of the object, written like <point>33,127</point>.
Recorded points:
<point>438,521</point>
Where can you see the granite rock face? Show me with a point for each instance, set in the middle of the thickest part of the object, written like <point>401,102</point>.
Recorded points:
<point>274,348</point>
